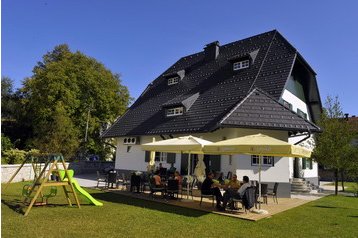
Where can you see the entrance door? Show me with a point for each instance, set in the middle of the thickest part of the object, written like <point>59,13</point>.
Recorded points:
<point>212,163</point>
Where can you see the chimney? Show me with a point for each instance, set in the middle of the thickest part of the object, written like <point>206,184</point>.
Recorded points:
<point>212,51</point>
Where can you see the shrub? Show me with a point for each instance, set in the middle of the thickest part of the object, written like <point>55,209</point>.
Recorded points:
<point>13,156</point>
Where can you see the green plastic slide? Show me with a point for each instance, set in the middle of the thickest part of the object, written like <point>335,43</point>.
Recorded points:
<point>78,187</point>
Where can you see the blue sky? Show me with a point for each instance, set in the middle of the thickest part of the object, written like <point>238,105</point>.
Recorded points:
<point>140,39</point>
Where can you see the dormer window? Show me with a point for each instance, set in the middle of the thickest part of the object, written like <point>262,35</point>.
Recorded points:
<point>173,80</point>
<point>176,111</point>
<point>241,65</point>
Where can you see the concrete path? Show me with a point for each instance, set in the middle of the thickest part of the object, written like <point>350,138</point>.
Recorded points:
<point>87,180</point>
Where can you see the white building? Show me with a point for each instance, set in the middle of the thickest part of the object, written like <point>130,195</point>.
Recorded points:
<point>257,85</point>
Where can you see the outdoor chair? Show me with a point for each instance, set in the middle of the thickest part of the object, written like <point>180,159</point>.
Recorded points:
<point>173,187</point>
<point>184,187</point>
<point>248,200</point>
<point>101,178</point>
<point>135,183</point>
<point>124,182</point>
<point>274,193</point>
<point>210,196</point>
<point>264,192</point>
<point>144,182</point>
<point>154,189</point>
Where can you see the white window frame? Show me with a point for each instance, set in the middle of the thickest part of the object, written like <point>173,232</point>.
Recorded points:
<point>173,80</point>
<point>162,156</point>
<point>241,65</point>
<point>267,161</point>
<point>175,111</point>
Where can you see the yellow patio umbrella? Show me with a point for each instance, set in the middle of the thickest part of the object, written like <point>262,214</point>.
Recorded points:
<point>258,144</point>
<point>185,144</point>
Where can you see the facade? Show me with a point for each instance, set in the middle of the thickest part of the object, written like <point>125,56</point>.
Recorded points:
<point>256,85</point>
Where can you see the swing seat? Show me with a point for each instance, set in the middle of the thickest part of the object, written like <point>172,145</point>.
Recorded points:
<point>26,192</point>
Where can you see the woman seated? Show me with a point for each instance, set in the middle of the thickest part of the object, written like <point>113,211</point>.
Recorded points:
<point>157,179</point>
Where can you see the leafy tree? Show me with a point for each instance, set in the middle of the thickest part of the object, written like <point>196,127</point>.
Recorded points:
<point>333,148</point>
<point>66,90</point>
<point>7,98</point>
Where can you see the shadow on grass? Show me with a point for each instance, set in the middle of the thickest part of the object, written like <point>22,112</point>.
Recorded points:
<point>353,216</point>
<point>16,205</point>
<point>169,208</point>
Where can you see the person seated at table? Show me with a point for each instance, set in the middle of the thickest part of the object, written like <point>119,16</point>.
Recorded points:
<point>233,184</point>
<point>231,188</point>
<point>179,178</point>
<point>239,194</point>
<point>210,188</point>
<point>157,179</point>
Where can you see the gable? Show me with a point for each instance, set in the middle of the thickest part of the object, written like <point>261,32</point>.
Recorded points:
<point>258,110</point>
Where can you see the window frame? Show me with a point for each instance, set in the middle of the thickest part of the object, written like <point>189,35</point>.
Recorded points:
<point>175,111</point>
<point>301,113</point>
<point>243,64</point>
<point>267,161</point>
<point>287,104</point>
<point>173,80</point>
<point>161,156</point>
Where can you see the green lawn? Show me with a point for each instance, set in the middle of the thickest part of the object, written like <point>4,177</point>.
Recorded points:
<point>350,187</point>
<point>127,217</point>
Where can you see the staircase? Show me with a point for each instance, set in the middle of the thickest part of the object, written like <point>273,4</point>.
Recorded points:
<point>299,185</point>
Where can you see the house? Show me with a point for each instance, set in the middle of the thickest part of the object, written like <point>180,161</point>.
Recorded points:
<point>260,84</point>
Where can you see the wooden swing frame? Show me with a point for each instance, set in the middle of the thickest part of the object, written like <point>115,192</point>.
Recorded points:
<point>40,183</point>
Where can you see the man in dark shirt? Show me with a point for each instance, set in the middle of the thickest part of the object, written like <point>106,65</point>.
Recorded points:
<point>209,188</point>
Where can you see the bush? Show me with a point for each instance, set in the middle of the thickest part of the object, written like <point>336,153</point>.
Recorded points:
<point>5,143</point>
<point>13,156</point>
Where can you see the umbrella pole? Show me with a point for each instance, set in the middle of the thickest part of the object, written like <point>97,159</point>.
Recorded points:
<point>187,186</point>
<point>260,162</point>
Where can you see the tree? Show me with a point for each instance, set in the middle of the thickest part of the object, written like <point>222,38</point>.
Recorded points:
<point>66,90</point>
<point>333,148</point>
<point>7,98</point>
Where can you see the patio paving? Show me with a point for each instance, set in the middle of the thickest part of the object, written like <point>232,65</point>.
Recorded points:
<point>272,208</point>
<point>89,180</point>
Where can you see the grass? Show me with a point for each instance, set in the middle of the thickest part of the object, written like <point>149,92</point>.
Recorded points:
<point>127,217</point>
<point>350,187</point>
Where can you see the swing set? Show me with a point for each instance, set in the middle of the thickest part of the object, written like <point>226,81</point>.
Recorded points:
<point>44,166</point>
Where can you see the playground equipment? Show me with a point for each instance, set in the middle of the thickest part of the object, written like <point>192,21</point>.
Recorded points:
<point>62,176</point>
<point>41,180</point>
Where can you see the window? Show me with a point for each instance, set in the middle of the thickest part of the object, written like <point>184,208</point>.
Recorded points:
<point>161,156</point>
<point>301,113</point>
<point>266,160</point>
<point>287,104</point>
<point>175,111</point>
<point>307,163</point>
<point>241,65</point>
<point>173,80</point>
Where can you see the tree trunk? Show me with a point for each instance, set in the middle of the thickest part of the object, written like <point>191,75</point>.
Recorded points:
<point>336,182</point>
<point>342,179</point>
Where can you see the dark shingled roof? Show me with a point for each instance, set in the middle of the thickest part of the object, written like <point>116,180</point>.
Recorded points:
<point>217,89</point>
<point>259,110</point>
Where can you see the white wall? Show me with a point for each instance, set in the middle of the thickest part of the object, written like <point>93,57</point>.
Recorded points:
<point>26,173</point>
<point>296,102</point>
<point>277,173</point>
<point>241,164</point>
<point>309,143</point>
